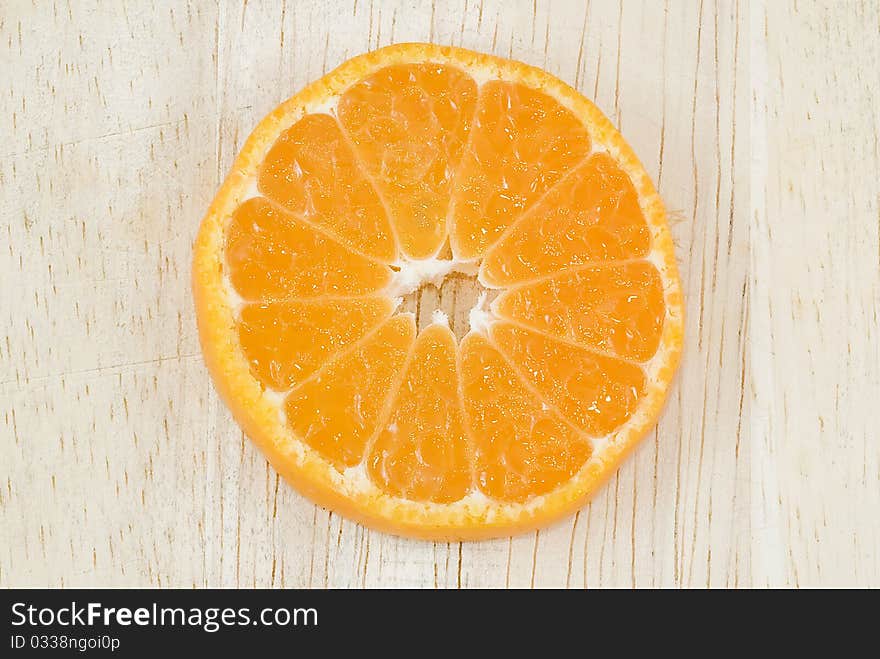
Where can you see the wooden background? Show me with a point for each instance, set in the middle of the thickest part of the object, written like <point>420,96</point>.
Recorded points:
<point>760,123</point>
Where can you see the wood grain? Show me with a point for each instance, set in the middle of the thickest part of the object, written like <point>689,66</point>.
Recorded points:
<point>758,121</point>
<point>816,306</point>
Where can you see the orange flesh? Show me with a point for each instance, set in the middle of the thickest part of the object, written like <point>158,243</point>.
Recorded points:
<point>594,392</point>
<point>409,125</point>
<point>338,410</point>
<point>617,309</point>
<point>311,171</point>
<point>522,450</point>
<point>272,255</point>
<point>522,142</point>
<point>592,215</point>
<point>421,452</point>
<point>286,341</point>
<point>418,156</point>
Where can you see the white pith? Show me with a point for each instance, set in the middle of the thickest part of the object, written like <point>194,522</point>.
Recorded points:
<point>412,274</point>
<point>480,317</point>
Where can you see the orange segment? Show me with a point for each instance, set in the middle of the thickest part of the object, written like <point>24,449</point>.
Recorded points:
<point>421,452</point>
<point>337,411</point>
<point>522,142</point>
<point>311,171</point>
<point>595,392</point>
<point>616,309</point>
<point>271,255</point>
<point>522,449</point>
<point>409,123</point>
<point>592,215</point>
<point>284,342</point>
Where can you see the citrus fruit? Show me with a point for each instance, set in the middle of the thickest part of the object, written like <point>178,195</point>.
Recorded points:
<point>398,169</point>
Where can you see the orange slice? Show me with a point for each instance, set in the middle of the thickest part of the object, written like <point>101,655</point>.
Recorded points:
<point>342,202</point>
